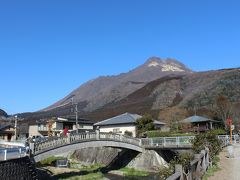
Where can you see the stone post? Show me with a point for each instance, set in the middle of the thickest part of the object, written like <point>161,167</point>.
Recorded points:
<point>198,168</point>
<point>178,168</point>
<point>204,167</point>
<point>97,134</point>
<point>32,148</point>
<point>177,141</point>
<point>20,152</point>
<point>69,138</point>
<point>5,154</point>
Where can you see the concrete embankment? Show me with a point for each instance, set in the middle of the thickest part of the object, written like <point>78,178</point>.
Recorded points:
<point>149,160</point>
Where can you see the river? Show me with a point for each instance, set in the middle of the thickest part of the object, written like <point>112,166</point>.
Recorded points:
<point>117,177</point>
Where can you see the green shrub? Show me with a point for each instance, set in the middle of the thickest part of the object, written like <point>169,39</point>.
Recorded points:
<point>184,159</point>
<point>128,133</point>
<point>207,140</point>
<point>158,133</point>
<point>165,172</point>
<point>217,131</point>
<point>50,161</point>
<point>145,123</point>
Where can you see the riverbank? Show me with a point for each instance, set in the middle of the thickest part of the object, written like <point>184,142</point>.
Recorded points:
<point>93,172</point>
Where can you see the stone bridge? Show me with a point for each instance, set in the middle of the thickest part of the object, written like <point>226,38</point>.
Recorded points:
<point>56,145</point>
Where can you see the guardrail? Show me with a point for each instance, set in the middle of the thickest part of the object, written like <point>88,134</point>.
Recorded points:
<point>12,153</point>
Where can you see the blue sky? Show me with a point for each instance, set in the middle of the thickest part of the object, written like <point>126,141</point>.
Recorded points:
<point>48,48</point>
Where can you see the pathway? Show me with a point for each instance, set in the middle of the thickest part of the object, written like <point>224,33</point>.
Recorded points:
<point>230,167</point>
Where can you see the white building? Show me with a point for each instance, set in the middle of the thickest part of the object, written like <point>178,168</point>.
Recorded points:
<point>123,123</point>
<point>58,125</point>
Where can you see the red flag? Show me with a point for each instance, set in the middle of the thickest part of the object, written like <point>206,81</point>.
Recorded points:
<point>229,121</point>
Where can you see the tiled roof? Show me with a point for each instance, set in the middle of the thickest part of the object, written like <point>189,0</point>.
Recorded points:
<point>196,119</point>
<point>126,118</point>
<point>6,126</point>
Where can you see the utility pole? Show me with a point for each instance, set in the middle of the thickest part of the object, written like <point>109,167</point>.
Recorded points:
<point>15,131</point>
<point>76,111</point>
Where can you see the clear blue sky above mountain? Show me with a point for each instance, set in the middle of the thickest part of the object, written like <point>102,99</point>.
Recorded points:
<point>48,48</point>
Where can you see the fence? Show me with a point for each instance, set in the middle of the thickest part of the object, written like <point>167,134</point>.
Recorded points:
<point>195,171</point>
<point>182,141</point>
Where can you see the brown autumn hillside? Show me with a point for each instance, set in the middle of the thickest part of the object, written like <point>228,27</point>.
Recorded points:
<point>169,98</point>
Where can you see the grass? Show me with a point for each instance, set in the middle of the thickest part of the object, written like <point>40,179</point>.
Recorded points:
<point>211,171</point>
<point>133,172</point>
<point>91,176</point>
<point>49,161</point>
<point>91,167</point>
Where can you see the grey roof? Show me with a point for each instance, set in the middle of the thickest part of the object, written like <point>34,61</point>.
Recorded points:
<point>158,122</point>
<point>125,118</point>
<point>6,126</point>
<point>196,119</point>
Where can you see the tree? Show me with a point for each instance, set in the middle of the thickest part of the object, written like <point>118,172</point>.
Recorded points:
<point>223,108</point>
<point>144,124</point>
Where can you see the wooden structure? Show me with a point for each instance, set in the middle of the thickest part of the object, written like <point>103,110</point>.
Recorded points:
<point>7,132</point>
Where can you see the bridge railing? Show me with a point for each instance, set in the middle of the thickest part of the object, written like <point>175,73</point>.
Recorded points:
<point>55,142</point>
<point>167,141</point>
<point>226,139</point>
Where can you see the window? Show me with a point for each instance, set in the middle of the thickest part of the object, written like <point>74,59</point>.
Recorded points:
<point>116,130</point>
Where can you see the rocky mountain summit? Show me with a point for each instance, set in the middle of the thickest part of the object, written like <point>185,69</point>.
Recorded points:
<point>107,89</point>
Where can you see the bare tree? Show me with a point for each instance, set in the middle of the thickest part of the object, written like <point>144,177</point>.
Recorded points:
<point>223,108</point>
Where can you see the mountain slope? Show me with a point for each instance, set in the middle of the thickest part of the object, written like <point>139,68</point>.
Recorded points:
<point>3,113</point>
<point>96,93</point>
<point>167,97</point>
<point>198,90</point>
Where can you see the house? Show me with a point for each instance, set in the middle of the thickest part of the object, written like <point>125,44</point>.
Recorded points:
<point>199,123</point>
<point>7,132</point>
<point>123,123</point>
<point>55,126</point>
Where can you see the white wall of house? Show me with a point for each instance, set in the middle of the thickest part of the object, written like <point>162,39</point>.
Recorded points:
<point>33,130</point>
<point>85,126</point>
<point>57,126</point>
<point>120,129</point>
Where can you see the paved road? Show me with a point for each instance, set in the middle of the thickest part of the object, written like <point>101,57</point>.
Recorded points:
<point>230,167</point>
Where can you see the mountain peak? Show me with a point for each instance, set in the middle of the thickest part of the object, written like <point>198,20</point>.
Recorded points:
<point>166,65</point>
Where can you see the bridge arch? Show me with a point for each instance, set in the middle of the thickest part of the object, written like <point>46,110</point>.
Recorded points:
<point>81,145</point>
